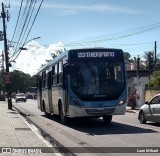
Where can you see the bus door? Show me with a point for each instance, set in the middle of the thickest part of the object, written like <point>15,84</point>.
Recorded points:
<point>39,92</point>
<point>50,92</point>
<point>65,87</point>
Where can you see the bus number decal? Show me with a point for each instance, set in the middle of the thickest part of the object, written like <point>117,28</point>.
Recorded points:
<point>87,105</point>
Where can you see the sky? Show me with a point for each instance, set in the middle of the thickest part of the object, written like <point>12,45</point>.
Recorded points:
<point>130,25</point>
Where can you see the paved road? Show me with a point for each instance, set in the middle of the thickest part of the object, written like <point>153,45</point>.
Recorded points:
<point>125,131</point>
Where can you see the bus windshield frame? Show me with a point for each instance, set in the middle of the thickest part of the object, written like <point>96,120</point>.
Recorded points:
<point>100,77</point>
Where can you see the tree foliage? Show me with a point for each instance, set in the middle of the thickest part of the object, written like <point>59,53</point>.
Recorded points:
<point>127,58</point>
<point>54,55</point>
<point>20,82</point>
<point>149,60</point>
<point>155,80</point>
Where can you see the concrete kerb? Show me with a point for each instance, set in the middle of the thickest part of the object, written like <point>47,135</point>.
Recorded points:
<point>130,110</point>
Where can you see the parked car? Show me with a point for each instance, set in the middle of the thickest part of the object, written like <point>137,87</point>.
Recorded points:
<point>20,97</point>
<point>150,111</point>
<point>31,96</point>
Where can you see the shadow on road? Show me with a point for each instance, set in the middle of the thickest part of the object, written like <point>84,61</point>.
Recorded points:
<point>97,127</point>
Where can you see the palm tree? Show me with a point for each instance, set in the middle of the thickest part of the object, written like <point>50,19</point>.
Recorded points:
<point>149,60</point>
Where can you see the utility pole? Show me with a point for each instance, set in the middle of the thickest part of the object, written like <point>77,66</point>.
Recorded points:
<point>155,53</point>
<point>138,65</point>
<point>8,84</point>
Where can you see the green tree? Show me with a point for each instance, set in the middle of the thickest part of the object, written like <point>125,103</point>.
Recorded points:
<point>127,58</point>
<point>54,55</point>
<point>155,79</point>
<point>149,60</point>
<point>21,81</point>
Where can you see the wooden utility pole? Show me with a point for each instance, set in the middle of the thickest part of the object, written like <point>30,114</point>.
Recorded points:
<point>8,84</point>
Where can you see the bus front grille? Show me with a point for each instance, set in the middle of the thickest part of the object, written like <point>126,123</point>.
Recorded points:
<point>97,111</point>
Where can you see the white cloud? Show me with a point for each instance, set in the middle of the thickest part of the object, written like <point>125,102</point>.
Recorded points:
<point>31,60</point>
<point>70,9</point>
<point>89,8</point>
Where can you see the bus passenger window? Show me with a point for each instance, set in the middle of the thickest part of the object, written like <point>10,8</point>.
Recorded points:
<point>44,79</point>
<point>54,71</point>
<point>57,73</point>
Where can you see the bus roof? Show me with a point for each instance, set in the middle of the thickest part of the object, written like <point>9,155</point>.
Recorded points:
<point>52,61</point>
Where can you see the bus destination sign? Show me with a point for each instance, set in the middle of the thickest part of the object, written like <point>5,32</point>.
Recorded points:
<point>95,54</point>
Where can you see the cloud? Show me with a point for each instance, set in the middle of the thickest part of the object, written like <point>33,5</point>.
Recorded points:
<point>31,60</point>
<point>89,8</point>
<point>70,9</point>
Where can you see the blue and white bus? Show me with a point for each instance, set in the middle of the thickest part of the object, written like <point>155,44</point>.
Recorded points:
<point>84,83</point>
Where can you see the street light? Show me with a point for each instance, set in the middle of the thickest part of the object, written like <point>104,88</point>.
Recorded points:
<point>22,48</point>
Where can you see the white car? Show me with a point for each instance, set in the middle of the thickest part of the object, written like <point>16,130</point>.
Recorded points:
<point>20,97</point>
<point>150,111</point>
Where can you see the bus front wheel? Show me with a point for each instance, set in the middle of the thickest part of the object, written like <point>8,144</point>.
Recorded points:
<point>107,119</point>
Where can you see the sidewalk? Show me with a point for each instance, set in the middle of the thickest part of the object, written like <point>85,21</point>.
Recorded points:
<point>129,109</point>
<point>16,132</point>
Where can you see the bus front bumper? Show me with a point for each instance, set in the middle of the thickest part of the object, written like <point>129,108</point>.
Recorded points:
<point>75,111</point>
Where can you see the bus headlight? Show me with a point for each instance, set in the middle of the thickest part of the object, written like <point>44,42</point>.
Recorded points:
<point>123,101</point>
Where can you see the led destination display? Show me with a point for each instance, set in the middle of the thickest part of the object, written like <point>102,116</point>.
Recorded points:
<point>96,54</point>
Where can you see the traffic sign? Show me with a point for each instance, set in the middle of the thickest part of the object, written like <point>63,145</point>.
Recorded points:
<point>7,77</point>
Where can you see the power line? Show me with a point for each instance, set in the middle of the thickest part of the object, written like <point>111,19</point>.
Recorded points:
<point>29,19</point>
<point>28,6</point>
<point>22,31</point>
<point>17,21</point>
<point>110,37</point>
<point>34,20</point>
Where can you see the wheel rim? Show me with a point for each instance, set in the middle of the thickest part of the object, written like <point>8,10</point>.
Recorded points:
<point>141,117</point>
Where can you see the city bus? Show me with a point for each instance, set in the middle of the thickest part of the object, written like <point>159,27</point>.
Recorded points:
<point>84,83</point>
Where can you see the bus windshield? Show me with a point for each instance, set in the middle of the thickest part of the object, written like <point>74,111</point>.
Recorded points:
<point>97,80</point>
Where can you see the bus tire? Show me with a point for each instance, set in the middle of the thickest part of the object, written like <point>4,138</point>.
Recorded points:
<point>63,118</point>
<point>107,119</point>
<point>47,115</point>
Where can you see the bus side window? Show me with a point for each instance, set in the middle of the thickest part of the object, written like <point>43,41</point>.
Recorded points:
<point>39,84</point>
<point>54,75</point>
<point>43,79</point>
<point>46,80</point>
<point>60,73</point>
<point>49,80</point>
<point>64,79</point>
<point>57,73</point>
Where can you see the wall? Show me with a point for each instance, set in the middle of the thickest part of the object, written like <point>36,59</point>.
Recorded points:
<point>139,84</point>
<point>150,93</point>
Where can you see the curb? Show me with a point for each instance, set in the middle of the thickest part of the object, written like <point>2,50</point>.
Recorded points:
<point>131,111</point>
